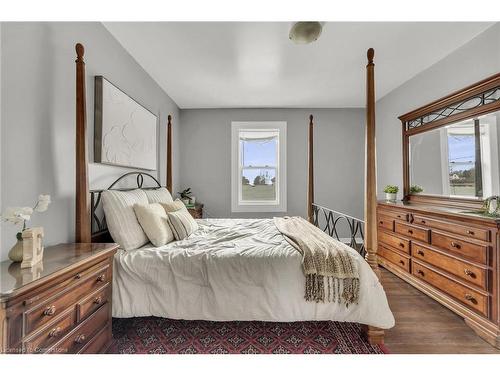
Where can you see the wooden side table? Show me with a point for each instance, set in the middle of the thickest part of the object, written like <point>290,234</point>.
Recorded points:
<point>60,305</point>
<point>196,211</point>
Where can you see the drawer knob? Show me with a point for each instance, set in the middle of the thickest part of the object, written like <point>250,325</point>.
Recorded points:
<point>469,298</point>
<point>420,272</point>
<point>422,221</point>
<point>49,311</point>
<point>80,338</point>
<point>101,278</point>
<point>471,232</point>
<point>470,273</point>
<point>55,332</point>
<point>420,252</point>
<point>402,262</point>
<point>455,245</point>
<point>401,244</point>
<point>381,222</point>
<point>78,276</point>
<point>98,300</point>
<point>410,231</point>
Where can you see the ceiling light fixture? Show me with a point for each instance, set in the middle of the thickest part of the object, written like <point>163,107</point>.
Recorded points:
<point>305,32</point>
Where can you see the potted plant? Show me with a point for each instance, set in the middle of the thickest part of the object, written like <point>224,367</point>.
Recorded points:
<point>20,215</point>
<point>415,189</point>
<point>391,192</point>
<point>186,196</point>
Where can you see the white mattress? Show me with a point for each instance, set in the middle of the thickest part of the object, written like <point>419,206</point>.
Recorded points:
<point>233,269</point>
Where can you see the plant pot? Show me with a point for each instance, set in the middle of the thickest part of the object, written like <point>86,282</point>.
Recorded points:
<point>185,201</point>
<point>192,200</point>
<point>391,197</point>
<point>16,252</point>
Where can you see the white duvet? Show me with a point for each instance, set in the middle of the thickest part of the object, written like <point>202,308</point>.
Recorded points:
<point>233,269</point>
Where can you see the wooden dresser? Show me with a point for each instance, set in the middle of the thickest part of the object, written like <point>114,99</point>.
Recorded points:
<point>62,305</point>
<point>451,256</point>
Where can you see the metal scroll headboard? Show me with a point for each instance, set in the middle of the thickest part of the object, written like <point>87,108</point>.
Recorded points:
<point>99,228</point>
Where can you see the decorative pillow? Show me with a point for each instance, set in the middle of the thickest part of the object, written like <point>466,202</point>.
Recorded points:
<point>122,223</point>
<point>154,222</point>
<point>174,206</point>
<point>161,195</point>
<point>181,221</point>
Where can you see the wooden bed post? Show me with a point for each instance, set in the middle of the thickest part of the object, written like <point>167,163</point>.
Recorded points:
<point>169,154</point>
<point>82,230</point>
<point>370,169</point>
<point>310,179</point>
<point>375,335</point>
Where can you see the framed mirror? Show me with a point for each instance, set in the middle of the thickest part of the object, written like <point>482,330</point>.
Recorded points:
<point>451,151</point>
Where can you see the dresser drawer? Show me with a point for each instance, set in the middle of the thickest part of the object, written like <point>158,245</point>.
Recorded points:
<point>465,295</point>
<point>82,335</point>
<point>467,250</point>
<point>466,271</point>
<point>395,258</point>
<point>411,231</point>
<point>91,303</point>
<point>49,310</point>
<point>476,233</point>
<point>385,222</point>
<point>391,240</point>
<point>395,215</point>
<point>43,340</point>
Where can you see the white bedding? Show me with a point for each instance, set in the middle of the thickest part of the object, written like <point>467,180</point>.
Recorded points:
<point>233,269</point>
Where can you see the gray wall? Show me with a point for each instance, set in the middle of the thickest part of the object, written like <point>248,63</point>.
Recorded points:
<point>472,62</point>
<point>38,116</point>
<point>339,157</point>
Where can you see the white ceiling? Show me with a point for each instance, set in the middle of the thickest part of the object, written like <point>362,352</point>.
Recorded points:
<point>254,64</point>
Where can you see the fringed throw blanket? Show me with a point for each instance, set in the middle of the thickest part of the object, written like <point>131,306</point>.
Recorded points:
<point>331,272</point>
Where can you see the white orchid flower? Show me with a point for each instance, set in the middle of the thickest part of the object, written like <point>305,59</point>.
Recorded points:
<point>43,203</point>
<point>17,215</point>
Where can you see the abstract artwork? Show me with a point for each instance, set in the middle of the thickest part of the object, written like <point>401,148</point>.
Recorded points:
<point>124,131</point>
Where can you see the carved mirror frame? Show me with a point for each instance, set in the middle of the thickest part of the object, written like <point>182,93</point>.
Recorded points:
<point>473,101</point>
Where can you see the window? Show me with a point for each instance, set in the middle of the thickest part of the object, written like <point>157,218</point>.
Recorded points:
<point>258,167</point>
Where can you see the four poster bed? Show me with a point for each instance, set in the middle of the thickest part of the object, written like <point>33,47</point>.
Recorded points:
<point>234,269</point>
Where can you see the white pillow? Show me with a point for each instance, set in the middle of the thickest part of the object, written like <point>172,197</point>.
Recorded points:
<point>122,223</point>
<point>154,222</point>
<point>161,195</point>
<point>181,221</point>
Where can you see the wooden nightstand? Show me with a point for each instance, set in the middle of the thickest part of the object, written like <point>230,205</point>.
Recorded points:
<point>62,304</point>
<point>197,211</point>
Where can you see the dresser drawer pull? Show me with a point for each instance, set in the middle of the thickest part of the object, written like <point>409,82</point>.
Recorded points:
<point>469,298</point>
<point>470,232</point>
<point>101,278</point>
<point>98,300</point>
<point>402,262</point>
<point>55,332</point>
<point>78,276</point>
<point>422,221</point>
<point>455,245</point>
<point>402,245</point>
<point>49,311</point>
<point>410,231</point>
<point>381,222</point>
<point>400,217</point>
<point>420,272</point>
<point>470,273</point>
<point>420,252</point>
<point>80,338</point>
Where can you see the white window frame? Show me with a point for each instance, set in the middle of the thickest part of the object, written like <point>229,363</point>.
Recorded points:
<point>237,205</point>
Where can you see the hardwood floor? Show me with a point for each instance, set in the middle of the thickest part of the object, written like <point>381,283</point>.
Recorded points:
<point>423,326</point>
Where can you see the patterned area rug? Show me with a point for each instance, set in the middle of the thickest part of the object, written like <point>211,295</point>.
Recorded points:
<point>158,335</point>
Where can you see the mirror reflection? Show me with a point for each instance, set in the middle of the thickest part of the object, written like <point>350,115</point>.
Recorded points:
<point>457,160</point>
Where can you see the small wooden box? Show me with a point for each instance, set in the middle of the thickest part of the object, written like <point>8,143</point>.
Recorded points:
<point>196,211</point>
